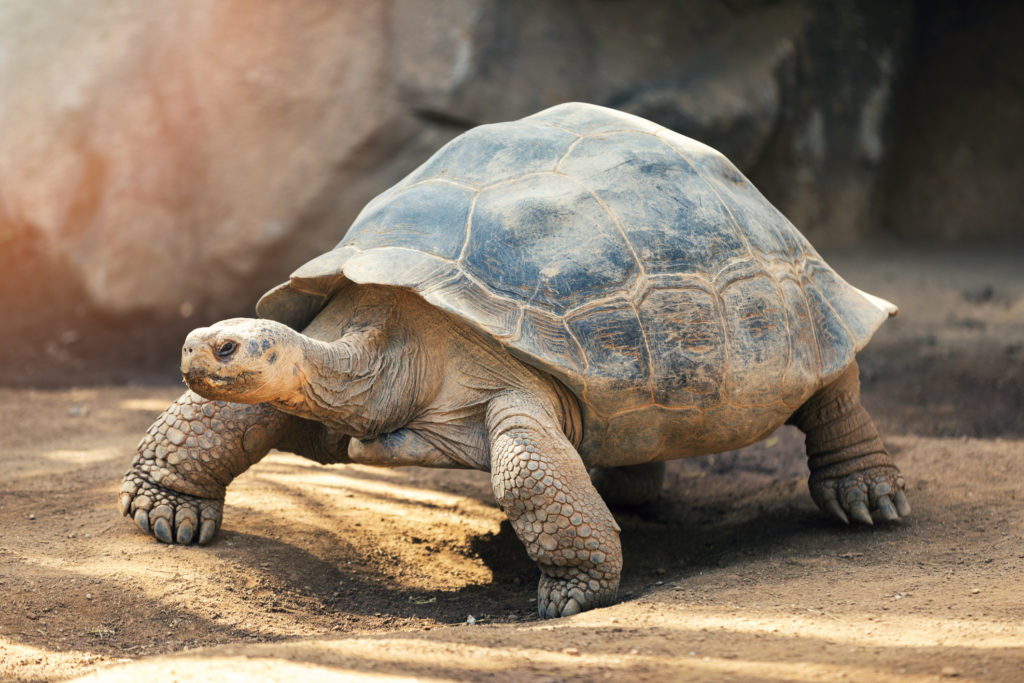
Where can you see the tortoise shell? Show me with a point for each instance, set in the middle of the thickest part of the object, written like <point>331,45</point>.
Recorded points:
<point>637,266</point>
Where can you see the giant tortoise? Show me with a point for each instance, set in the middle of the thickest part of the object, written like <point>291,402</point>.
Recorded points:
<point>577,290</point>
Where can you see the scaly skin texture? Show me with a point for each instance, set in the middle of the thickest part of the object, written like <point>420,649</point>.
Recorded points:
<point>175,488</point>
<point>852,474</point>
<point>541,484</point>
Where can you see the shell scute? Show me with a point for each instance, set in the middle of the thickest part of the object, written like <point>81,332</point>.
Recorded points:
<point>398,266</point>
<point>804,365</point>
<point>835,345</point>
<point>556,349</point>
<point>758,332</point>
<point>518,244</point>
<point>766,230</point>
<point>409,219</point>
<point>685,327</point>
<point>470,301</point>
<point>842,298</point>
<point>652,194</point>
<point>590,120</point>
<point>619,369</point>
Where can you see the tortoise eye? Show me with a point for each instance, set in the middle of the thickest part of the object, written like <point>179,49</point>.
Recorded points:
<point>227,349</point>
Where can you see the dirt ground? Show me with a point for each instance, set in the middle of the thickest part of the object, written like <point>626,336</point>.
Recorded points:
<point>343,572</point>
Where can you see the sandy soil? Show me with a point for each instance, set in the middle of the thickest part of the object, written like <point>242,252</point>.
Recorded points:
<point>350,572</point>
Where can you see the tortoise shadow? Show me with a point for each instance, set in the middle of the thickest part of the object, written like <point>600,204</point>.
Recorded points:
<point>698,522</point>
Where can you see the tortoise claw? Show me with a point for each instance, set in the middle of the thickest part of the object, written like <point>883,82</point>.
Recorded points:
<point>142,520</point>
<point>207,531</point>
<point>162,530</point>
<point>855,496</point>
<point>185,522</point>
<point>184,534</point>
<point>886,509</point>
<point>859,511</point>
<point>902,504</point>
<point>836,510</point>
<point>125,503</point>
<point>563,597</point>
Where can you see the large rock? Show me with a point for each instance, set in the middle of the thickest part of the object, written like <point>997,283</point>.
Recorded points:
<point>165,150</point>
<point>957,170</point>
<point>175,159</point>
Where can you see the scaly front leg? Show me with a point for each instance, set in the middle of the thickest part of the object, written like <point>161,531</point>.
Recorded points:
<point>175,488</point>
<point>540,482</point>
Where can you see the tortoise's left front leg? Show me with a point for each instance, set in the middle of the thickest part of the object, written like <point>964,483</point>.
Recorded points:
<point>540,482</point>
<point>175,488</point>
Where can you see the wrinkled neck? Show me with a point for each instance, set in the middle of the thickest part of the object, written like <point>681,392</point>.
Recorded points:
<point>353,384</point>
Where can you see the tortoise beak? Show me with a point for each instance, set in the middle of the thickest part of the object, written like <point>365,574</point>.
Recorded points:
<point>197,366</point>
<point>191,348</point>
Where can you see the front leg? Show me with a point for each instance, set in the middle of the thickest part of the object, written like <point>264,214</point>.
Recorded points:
<point>540,482</point>
<point>175,488</point>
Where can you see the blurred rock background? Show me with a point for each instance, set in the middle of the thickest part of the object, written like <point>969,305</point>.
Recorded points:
<point>162,163</point>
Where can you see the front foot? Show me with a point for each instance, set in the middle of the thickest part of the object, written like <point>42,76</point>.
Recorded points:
<point>171,517</point>
<point>175,488</point>
<point>876,491</point>
<point>563,597</point>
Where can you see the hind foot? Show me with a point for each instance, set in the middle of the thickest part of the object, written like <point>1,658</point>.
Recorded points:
<point>171,517</point>
<point>876,491</point>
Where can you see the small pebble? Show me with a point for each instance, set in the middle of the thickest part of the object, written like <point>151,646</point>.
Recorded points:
<point>470,620</point>
<point>31,516</point>
<point>570,651</point>
<point>975,591</point>
<point>88,596</point>
<point>950,672</point>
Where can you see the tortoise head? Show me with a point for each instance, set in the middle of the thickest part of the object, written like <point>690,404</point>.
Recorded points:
<point>242,360</point>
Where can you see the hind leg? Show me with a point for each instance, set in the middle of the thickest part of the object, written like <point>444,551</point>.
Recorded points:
<point>630,485</point>
<point>852,474</point>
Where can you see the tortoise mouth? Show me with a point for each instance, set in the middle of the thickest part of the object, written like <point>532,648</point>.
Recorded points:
<point>209,384</point>
<point>202,382</point>
<point>236,388</point>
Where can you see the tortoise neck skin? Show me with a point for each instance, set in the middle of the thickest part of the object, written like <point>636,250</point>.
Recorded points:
<point>360,384</point>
